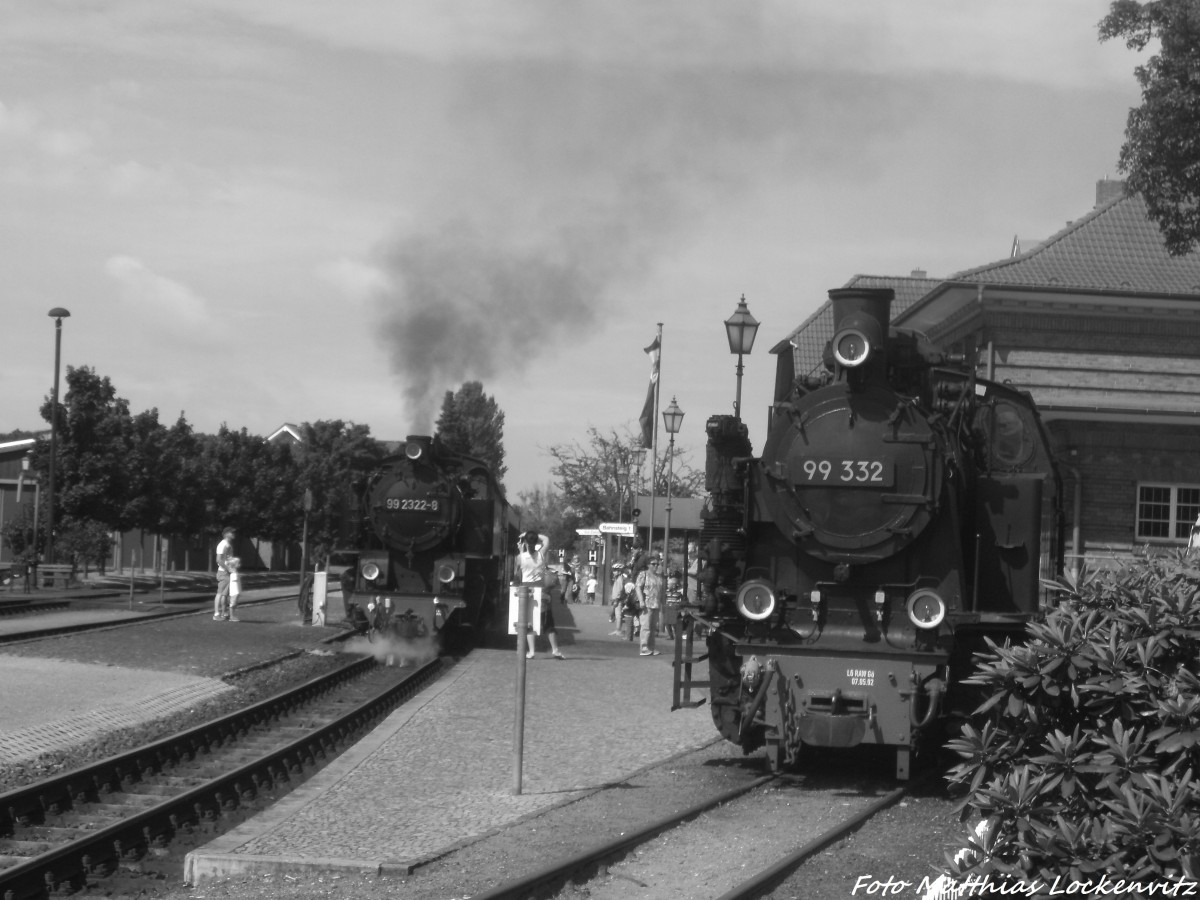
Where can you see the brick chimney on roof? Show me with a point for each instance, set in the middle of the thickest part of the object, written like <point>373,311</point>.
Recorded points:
<point>1108,191</point>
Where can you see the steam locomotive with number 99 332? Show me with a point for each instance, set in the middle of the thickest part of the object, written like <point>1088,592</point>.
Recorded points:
<point>443,540</point>
<point>902,512</point>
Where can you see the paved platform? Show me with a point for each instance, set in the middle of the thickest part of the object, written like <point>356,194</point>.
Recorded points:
<point>440,771</point>
<point>57,693</point>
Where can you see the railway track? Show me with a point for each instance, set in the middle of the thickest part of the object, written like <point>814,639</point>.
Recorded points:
<point>746,818</point>
<point>127,816</point>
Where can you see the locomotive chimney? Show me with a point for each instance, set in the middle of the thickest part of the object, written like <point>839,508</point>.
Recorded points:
<point>861,316</point>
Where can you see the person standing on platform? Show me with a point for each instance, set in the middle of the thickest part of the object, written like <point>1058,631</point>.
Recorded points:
<point>533,549</point>
<point>591,589</point>
<point>617,595</point>
<point>651,592</point>
<point>224,553</point>
<point>235,586</point>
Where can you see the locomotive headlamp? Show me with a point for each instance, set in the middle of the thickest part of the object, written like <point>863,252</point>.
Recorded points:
<point>446,573</point>
<point>413,450</point>
<point>851,348</point>
<point>926,609</point>
<point>370,571</point>
<point>756,600</point>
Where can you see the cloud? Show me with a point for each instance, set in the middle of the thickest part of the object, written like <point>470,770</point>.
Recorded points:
<point>354,279</point>
<point>151,295</point>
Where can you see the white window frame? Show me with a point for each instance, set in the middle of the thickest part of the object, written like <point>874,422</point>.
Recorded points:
<point>1175,523</point>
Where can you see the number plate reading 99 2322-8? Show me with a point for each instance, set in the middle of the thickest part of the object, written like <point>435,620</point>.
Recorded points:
<point>846,472</point>
<point>410,504</point>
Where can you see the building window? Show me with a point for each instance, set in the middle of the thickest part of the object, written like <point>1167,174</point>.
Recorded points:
<point>1166,512</point>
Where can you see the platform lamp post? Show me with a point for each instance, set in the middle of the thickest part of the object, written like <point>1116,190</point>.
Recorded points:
<point>57,314</point>
<point>673,421</point>
<point>740,328</point>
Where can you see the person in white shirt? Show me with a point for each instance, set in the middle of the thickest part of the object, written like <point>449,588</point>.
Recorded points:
<point>235,585</point>
<point>224,553</point>
<point>533,549</point>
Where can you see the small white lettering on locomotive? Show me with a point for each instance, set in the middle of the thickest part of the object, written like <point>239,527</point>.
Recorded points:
<point>861,677</point>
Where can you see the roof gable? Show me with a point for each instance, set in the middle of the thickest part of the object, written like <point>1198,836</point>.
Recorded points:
<point>1114,247</point>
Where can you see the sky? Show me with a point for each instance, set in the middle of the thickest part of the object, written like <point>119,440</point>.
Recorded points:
<point>270,211</point>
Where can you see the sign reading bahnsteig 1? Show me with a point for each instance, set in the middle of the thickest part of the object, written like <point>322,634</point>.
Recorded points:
<point>624,529</point>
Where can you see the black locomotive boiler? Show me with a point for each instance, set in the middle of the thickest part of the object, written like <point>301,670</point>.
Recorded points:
<point>902,511</point>
<point>442,540</point>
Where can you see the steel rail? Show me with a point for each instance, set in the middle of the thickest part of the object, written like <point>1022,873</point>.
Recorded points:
<point>770,877</point>
<point>524,886</point>
<point>105,849</point>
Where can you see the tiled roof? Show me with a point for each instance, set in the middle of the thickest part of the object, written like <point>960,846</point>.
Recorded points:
<point>1114,247</point>
<point>817,330</point>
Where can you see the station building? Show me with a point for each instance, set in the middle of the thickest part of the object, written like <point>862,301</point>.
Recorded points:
<point>1102,327</point>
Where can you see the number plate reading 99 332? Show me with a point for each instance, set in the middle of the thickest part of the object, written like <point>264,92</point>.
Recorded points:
<point>847,472</point>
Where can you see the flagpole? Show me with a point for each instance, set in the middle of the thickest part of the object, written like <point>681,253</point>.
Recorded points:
<point>654,452</point>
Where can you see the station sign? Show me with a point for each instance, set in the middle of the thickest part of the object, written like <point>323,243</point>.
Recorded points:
<point>624,529</point>
<point>588,532</point>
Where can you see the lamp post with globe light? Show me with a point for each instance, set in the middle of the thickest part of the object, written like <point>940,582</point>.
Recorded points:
<point>740,329</point>
<point>672,421</point>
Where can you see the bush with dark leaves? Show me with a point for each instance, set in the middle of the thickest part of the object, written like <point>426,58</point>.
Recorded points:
<point>1082,759</point>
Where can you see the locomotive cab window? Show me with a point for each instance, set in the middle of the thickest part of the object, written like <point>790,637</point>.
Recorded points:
<point>1008,433</point>
<point>1166,511</point>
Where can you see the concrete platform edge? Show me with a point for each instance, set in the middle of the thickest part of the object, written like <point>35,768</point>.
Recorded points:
<point>217,858</point>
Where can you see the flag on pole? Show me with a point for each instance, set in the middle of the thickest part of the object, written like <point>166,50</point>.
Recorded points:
<point>647,418</point>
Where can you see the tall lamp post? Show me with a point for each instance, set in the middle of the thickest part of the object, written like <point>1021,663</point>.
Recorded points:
<point>57,314</point>
<point>740,328</point>
<point>673,421</point>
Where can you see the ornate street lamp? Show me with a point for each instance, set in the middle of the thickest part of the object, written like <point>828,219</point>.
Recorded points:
<point>57,314</point>
<point>740,328</point>
<point>673,421</point>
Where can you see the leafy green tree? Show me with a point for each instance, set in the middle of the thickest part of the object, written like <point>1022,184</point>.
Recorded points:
<point>16,435</point>
<point>546,511</point>
<point>251,485</point>
<point>594,479</point>
<point>91,473</point>
<point>18,533</point>
<point>182,507</point>
<point>471,422</point>
<point>332,459</point>
<point>85,543</point>
<point>1161,153</point>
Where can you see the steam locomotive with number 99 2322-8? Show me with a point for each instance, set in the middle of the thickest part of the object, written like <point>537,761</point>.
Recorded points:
<point>443,539</point>
<point>903,510</point>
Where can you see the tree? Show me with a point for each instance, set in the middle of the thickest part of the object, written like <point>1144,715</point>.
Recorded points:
<point>92,427</point>
<point>251,485</point>
<point>1161,153</point>
<point>472,423</point>
<point>85,542</point>
<point>545,511</point>
<point>593,480</point>
<point>332,458</point>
